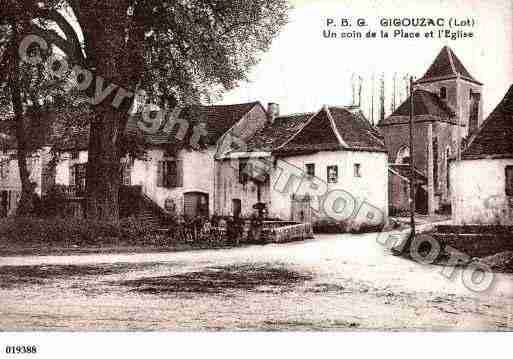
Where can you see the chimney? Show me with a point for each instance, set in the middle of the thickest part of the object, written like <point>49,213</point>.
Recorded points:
<point>273,111</point>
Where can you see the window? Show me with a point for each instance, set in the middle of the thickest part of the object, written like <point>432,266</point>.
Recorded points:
<point>509,180</point>
<point>443,93</point>
<point>170,174</point>
<point>357,170</point>
<point>403,155</point>
<point>310,169</point>
<point>474,104</point>
<point>126,171</point>
<point>74,155</point>
<point>78,178</point>
<point>244,171</point>
<point>4,168</point>
<point>332,174</point>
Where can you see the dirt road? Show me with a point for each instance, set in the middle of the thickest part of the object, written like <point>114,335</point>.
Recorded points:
<point>343,282</point>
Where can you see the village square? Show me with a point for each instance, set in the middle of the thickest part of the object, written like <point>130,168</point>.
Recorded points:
<point>178,215</point>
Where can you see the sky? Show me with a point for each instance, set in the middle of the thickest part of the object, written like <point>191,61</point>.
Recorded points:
<point>303,71</point>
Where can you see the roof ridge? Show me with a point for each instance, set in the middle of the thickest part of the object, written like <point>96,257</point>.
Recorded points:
<point>451,60</point>
<point>300,129</point>
<point>232,104</point>
<point>295,114</point>
<point>334,127</point>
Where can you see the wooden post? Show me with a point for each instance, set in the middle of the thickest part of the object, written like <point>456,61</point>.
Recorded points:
<point>412,164</point>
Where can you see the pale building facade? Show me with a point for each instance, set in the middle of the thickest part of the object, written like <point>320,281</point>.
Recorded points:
<point>242,161</point>
<point>304,166</point>
<point>482,181</point>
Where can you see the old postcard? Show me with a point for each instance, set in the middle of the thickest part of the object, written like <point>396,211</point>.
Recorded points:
<point>255,166</point>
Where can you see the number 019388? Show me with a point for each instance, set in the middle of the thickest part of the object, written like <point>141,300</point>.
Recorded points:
<point>21,349</point>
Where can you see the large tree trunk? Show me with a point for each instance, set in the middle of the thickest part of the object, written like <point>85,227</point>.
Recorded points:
<point>104,25</point>
<point>25,205</point>
<point>103,167</point>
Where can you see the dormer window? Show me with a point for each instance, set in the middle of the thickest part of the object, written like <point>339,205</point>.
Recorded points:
<point>443,93</point>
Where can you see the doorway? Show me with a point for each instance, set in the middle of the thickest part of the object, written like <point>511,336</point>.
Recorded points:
<point>196,204</point>
<point>236,208</point>
<point>301,208</point>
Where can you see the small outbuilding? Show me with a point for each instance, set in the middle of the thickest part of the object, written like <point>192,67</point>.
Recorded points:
<point>482,182</point>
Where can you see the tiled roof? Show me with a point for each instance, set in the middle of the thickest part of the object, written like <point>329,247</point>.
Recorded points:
<point>405,171</point>
<point>68,128</point>
<point>356,110</point>
<point>272,136</point>
<point>425,104</point>
<point>333,128</point>
<point>355,130</point>
<point>495,136</point>
<point>218,119</point>
<point>446,65</point>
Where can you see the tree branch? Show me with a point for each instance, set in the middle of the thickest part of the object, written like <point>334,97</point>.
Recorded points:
<point>65,26</point>
<point>53,38</point>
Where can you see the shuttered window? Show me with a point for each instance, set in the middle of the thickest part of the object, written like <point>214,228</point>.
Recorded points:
<point>332,174</point>
<point>170,174</point>
<point>78,177</point>
<point>357,170</point>
<point>4,168</point>
<point>126,174</point>
<point>509,180</point>
<point>310,169</point>
<point>244,171</point>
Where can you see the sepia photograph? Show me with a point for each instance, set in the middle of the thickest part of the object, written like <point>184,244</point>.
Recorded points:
<point>237,167</point>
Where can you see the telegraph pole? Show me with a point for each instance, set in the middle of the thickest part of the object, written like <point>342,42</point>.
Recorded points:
<point>406,245</point>
<point>412,164</point>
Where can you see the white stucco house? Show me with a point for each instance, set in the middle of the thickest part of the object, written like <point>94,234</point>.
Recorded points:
<point>482,182</point>
<point>171,174</point>
<point>303,167</point>
<point>45,137</point>
<point>308,167</point>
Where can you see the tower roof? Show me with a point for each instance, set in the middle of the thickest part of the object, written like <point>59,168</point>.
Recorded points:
<point>426,107</point>
<point>447,66</point>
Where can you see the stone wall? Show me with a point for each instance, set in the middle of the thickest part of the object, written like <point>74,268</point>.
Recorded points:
<point>475,241</point>
<point>478,192</point>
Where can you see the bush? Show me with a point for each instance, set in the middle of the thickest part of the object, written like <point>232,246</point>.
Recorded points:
<point>330,226</point>
<point>132,229</point>
<point>51,204</point>
<point>398,212</point>
<point>70,231</point>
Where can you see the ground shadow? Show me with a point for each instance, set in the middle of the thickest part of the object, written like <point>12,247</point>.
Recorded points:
<point>220,279</point>
<point>13,276</point>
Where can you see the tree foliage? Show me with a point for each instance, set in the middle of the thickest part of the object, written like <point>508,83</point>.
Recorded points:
<point>187,51</point>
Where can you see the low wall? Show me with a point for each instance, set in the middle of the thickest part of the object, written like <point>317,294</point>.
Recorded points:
<point>290,232</point>
<point>476,241</point>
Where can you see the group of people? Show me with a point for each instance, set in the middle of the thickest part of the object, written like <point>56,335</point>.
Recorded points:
<point>231,229</point>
